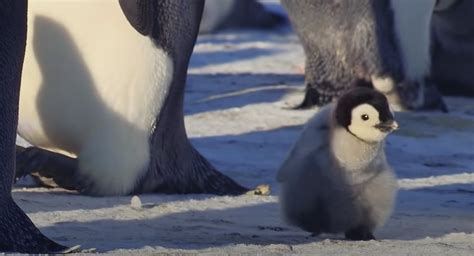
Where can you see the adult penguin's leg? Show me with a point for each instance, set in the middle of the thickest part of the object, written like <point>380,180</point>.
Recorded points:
<point>17,232</point>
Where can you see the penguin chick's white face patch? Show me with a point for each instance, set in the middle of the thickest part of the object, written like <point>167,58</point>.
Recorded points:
<point>364,119</point>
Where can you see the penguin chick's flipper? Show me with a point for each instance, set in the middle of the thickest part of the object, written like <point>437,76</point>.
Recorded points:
<point>43,163</point>
<point>360,233</point>
<point>18,234</point>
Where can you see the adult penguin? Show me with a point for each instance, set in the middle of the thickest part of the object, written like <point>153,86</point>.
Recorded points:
<point>108,80</point>
<point>453,47</point>
<point>384,43</point>
<point>17,232</point>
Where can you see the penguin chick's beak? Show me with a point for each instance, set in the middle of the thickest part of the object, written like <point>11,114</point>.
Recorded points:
<point>388,126</point>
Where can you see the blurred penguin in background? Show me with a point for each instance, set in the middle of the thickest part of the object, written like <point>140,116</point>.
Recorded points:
<point>453,47</point>
<point>385,43</point>
<point>238,14</point>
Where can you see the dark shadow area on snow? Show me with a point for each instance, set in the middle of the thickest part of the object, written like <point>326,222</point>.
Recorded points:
<point>209,92</point>
<point>202,59</point>
<point>37,202</point>
<point>234,36</point>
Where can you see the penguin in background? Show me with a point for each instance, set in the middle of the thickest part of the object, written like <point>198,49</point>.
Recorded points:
<point>336,178</point>
<point>453,47</point>
<point>106,79</point>
<point>238,14</point>
<point>383,42</point>
<point>17,233</point>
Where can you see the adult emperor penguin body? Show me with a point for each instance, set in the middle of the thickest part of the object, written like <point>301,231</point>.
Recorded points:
<point>106,79</point>
<point>453,47</point>
<point>336,177</point>
<point>386,43</point>
<point>17,232</point>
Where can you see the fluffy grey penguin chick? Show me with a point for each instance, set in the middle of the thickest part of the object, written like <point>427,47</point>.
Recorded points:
<point>336,177</point>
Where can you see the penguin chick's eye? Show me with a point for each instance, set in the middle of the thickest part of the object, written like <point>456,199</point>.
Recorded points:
<point>364,117</point>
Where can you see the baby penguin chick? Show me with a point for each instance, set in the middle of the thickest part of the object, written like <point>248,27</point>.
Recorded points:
<point>336,177</point>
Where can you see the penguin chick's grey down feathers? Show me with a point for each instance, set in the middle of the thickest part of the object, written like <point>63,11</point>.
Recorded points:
<point>336,178</point>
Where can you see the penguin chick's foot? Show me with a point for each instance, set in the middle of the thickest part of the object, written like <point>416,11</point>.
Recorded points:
<point>41,164</point>
<point>360,233</point>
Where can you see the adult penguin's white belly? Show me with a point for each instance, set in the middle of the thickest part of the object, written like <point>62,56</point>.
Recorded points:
<point>92,86</point>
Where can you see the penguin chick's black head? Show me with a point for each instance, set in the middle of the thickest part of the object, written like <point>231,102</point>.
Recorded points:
<point>358,96</point>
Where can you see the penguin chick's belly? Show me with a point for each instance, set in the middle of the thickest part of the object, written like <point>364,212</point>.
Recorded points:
<point>378,197</point>
<point>92,86</point>
<point>335,208</point>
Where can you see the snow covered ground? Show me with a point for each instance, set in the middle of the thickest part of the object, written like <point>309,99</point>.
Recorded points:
<point>239,89</point>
